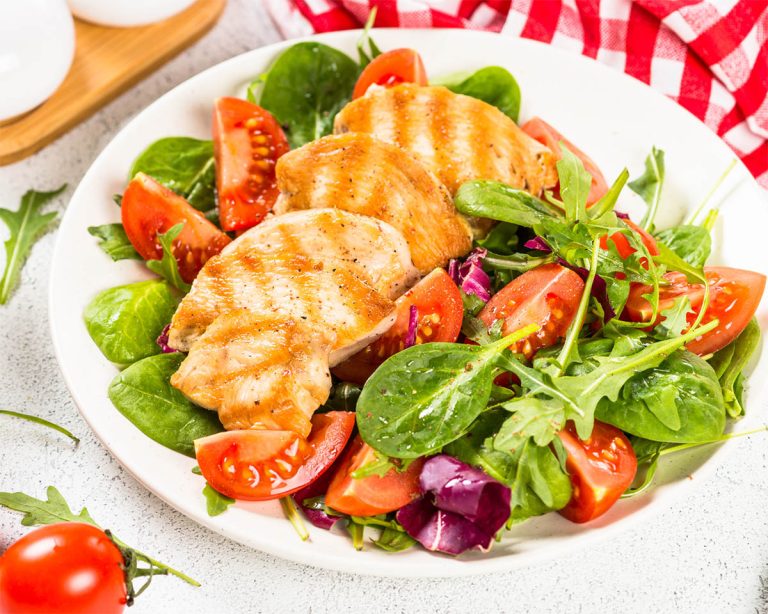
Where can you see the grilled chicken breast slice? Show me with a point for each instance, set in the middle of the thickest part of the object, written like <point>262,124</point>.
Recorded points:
<point>359,173</point>
<point>332,267</point>
<point>260,371</point>
<point>457,137</point>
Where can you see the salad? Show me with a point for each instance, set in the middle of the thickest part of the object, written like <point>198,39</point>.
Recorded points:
<point>545,362</point>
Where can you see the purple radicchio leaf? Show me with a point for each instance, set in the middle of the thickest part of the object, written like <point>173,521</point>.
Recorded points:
<point>621,215</point>
<point>317,517</point>
<point>599,289</point>
<point>471,277</point>
<point>539,244</point>
<point>453,270</point>
<point>413,325</point>
<point>162,340</point>
<point>461,508</point>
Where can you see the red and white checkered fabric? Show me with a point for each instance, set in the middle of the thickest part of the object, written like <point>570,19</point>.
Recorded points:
<point>711,56</point>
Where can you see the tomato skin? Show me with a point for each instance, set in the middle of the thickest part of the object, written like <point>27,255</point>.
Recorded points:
<point>247,144</point>
<point>391,68</point>
<point>734,298</point>
<point>372,495</point>
<point>548,295</point>
<point>622,244</point>
<point>257,465</point>
<point>439,311</point>
<point>545,134</point>
<point>149,208</point>
<point>67,568</point>
<point>601,470</point>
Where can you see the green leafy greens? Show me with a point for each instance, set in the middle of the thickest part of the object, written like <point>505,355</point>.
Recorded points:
<point>114,242</point>
<point>494,85</point>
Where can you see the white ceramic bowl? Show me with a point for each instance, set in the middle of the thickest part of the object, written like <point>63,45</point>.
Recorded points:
<point>613,117</point>
<point>126,13</point>
<point>37,45</point>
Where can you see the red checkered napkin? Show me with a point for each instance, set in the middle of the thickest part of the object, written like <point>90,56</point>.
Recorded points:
<point>711,56</point>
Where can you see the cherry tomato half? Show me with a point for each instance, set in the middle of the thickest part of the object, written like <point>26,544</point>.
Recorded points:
<point>67,568</point>
<point>255,465</point>
<point>734,295</point>
<point>374,494</point>
<point>548,295</point>
<point>247,143</point>
<point>391,68</point>
<point>601,469</point>
<point>545,134</point>
<point>149,208</point>
<point>439,310</point>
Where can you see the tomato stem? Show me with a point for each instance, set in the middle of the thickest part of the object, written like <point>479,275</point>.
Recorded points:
<point>162,567</point>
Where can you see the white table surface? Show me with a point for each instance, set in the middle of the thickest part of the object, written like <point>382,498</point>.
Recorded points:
<point>708,554</point>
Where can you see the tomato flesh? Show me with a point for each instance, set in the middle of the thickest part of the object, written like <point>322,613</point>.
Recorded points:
<point>601,468</point>
<point>545,134</point>
<point>439,312</point>
<point>256,465</point>
<point>149,208</point>
<point>371,495</point>
<point>734,298</point>
<point>391,68</point>
<point>67,568</point>
<point>548,295</point>
<point>247,144</point>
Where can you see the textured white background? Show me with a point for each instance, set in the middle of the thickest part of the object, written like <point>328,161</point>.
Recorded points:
<point>709,554</point>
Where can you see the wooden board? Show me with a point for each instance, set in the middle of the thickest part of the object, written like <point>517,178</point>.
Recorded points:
<point>107,62</point>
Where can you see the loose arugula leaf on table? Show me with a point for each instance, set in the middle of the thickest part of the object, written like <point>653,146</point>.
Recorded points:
<point>494,85</point>
<point>305,88</point>
<point>25,226</point>
<point>215,503</point>
<point>575,183</point>
<point>114,242</point>
<point>183,164</point>
<point>168,267</point>
<point>729,364</point>
<point>691,243</point>
<point>41,421</point>
<point>426,396</point>
<point>125,321</point>
<point>648,186</point>
<point>143,394</point>
<point>54,509</point>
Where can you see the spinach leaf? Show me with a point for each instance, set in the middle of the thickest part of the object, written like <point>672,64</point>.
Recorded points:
<point>729,364</point>
<point>25,226</point>
<point>498,201</point>
<point>494,85</point>
<point>649,185</point>
<point>168,267</point>
<point>538,482</point>
<point>215,503</point>
<point>143,394</point>
<point>692,243</point>
<point>678,401</point>
<point>305,88</point>
<point>426,396</point>
<point>114,242</point>
<point>183,164</point>
<point>125,321</point>
<point>502,239</point>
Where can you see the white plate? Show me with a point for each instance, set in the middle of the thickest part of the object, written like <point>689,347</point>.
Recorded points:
<point>613,117</point>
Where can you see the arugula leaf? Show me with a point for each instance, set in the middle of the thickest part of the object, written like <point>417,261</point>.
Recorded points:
<point>372,51</point>
<point>729,364</point>
<point>575,183</point>
<point>426,396</point>
<point>125,321</point>
<point>305,88</point>
<point>494,85</point>
<point>25,226</point>
<point>41,421</point>
<point>41,512</point>
<point>183,164</point>
<point>691,243</point>
<point>674,319</point>
<point>215,503</point>
<point>648,186</point>
<point>608,202</point>
<point>502,239</point>
<point>168,267</point>
<point>393,540</point>
<point>532,417</point>
<point>114,242</point>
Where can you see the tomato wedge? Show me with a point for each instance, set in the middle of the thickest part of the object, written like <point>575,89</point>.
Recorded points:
<point>255,465</point>
<point>247,143</point>
<point>545,134</point>
<point>149,208</point>
<point>734,295</point>
<point>601,468</point>
<point>391,68</point>
<point>439,311</point>
<point>374,494</point>
<point>548,295</point>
